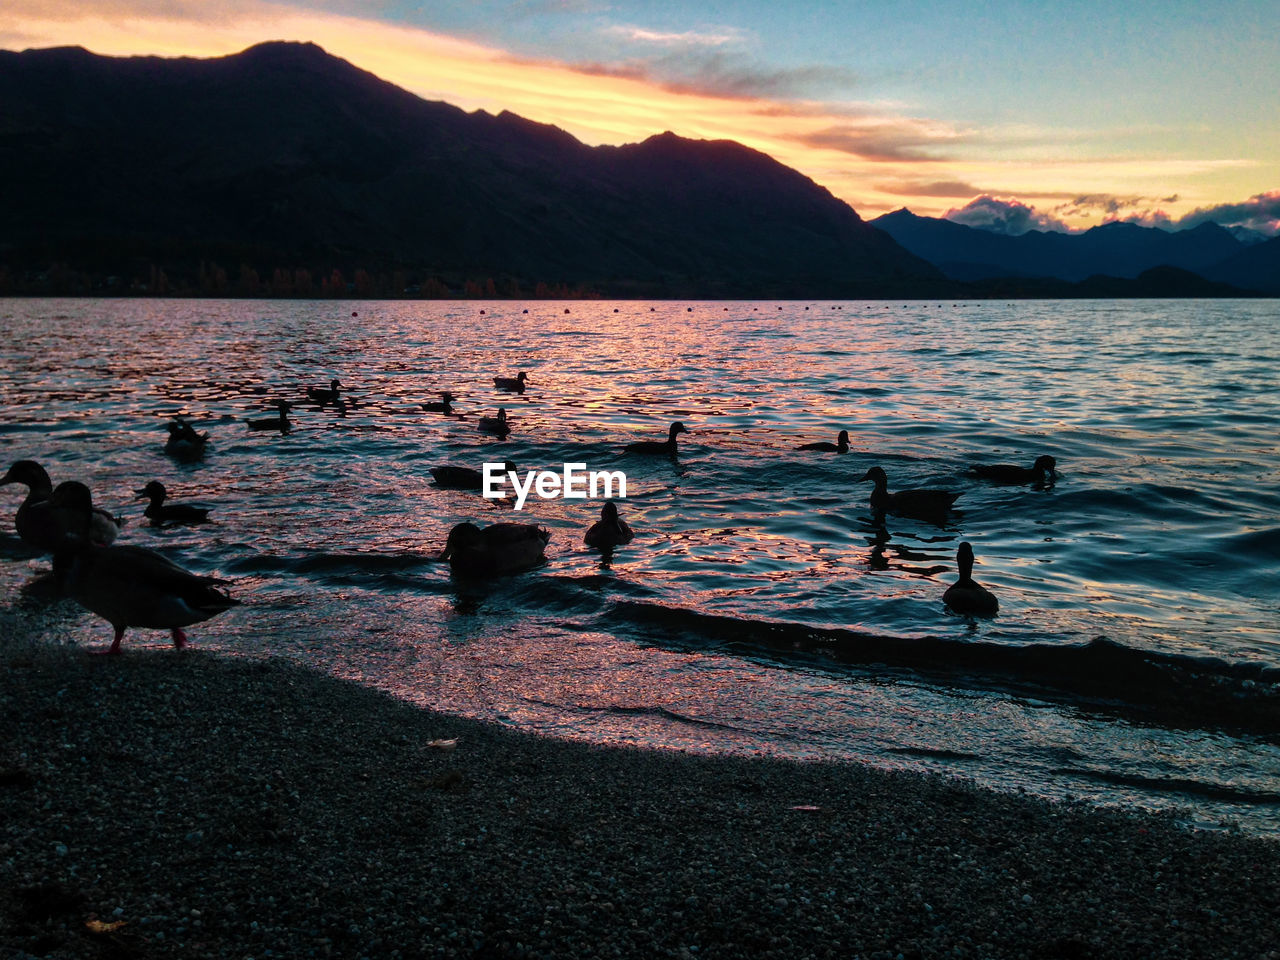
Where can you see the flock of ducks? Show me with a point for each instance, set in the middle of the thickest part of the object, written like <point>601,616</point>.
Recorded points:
<point>132,586</point>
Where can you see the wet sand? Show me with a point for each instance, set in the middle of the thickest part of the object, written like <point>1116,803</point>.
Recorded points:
<point>165,804</point>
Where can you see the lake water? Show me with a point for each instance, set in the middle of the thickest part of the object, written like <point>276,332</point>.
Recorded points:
<point>762,607</point>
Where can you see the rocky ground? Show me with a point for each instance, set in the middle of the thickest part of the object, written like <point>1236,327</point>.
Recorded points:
<point>165,804</point>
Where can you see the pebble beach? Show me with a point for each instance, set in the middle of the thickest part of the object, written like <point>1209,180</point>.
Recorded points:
<point>188,804</point>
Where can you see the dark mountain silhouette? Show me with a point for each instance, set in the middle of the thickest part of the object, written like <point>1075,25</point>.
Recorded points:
<point>284,158</point>
<point>1256,267</point>
<point>1122,250</point>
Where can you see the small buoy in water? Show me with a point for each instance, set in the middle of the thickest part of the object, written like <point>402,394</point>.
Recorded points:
<point>482,313</point>
<point>355,313</point>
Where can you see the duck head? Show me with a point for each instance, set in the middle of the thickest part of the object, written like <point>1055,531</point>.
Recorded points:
<point>677,427</point>
<point>877,475</point>
<point>153,491</point>
<point>964,560</point>
<point>462,537</point>
<point>1047,466</point>
<point>30,473</point>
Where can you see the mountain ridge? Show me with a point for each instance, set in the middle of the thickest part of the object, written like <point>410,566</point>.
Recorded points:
<point>285,157</point>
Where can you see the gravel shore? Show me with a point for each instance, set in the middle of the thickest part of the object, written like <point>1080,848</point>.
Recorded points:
<point>165,804</point>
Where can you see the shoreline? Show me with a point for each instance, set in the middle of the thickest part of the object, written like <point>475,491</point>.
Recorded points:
<point>215,807</point>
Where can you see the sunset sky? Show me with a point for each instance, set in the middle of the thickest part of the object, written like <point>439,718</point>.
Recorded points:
<point>1069,113</point>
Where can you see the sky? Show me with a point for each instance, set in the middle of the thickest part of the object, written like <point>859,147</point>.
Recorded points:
<point>1005,113</point>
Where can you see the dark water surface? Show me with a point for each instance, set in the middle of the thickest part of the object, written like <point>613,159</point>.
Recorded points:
<point>762,608</point>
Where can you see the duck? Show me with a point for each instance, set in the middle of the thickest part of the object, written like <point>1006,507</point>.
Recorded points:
<point>164,514</point>
<point>826,446</point>
<point>184,442</point>
<point>322,396</point>
<point>465,478</point>
<point>966,595</point>
<point>496,425</point>
<point>495,550</point>
<point>610,531</point>
<point>660,447</point>
<point>443,405</point>
<point>130,586</point>
<point>1043,471</point>
<point>515,383</point>
<point>280,423</point>
<point>39,525</point>
<point>922,504</point>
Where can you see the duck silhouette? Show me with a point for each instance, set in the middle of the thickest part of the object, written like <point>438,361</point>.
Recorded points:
<point>665,448</point>
<point>443,405</point>
<point>826,446</point>
<point>496,550</point>
<point>923,504</point>
<point>499,425</point>
<point>130,586</point>
<point>280,423</point>
<point>1043,471</point>
<point>966,595</point>
<point>322,396</point>
<point>39,523</point>
<point>163,514</point>
<point>515,383</point>
<point>452,477</point>
<point>610,530</point>
<point>184,443</point>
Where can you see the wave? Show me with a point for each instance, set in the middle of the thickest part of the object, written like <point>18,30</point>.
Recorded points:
<point>1178,690</point>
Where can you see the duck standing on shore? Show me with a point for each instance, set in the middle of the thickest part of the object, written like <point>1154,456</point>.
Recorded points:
<point>515,383</point>
<point>966,595</point>
<point>163,514</point>
<point>130,586</point>
<point>665,448</point>
<point>923,504</point>
<point>280,423</point>
<point>495,550</point>
<point>610,530</point>
<point>1043,471</point>
<point>184,443</point>
<point>42,527</point>
<point>826,446</point>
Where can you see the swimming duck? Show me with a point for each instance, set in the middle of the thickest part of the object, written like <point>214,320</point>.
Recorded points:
<point>443,405</point>
<point>496,425</point>
<point>39,525</point>
<point>164,514</point>
<point>966,595</point>
<point>826,446</point>
<point>495,550</point>
<point>664,448</point>
<point>184,442</point>
<point>464,478</point>
<point>131,586</point>
<point>1043,471</point>
<point>515,383</point>
<point>322,396</point>
<point>922,504</point>
<point>280,423</point>
<point>611,530</point>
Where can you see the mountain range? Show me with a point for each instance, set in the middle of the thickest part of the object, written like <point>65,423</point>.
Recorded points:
<point>284,157</point>
<point>1120,250</point>
<point>283,170</point>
